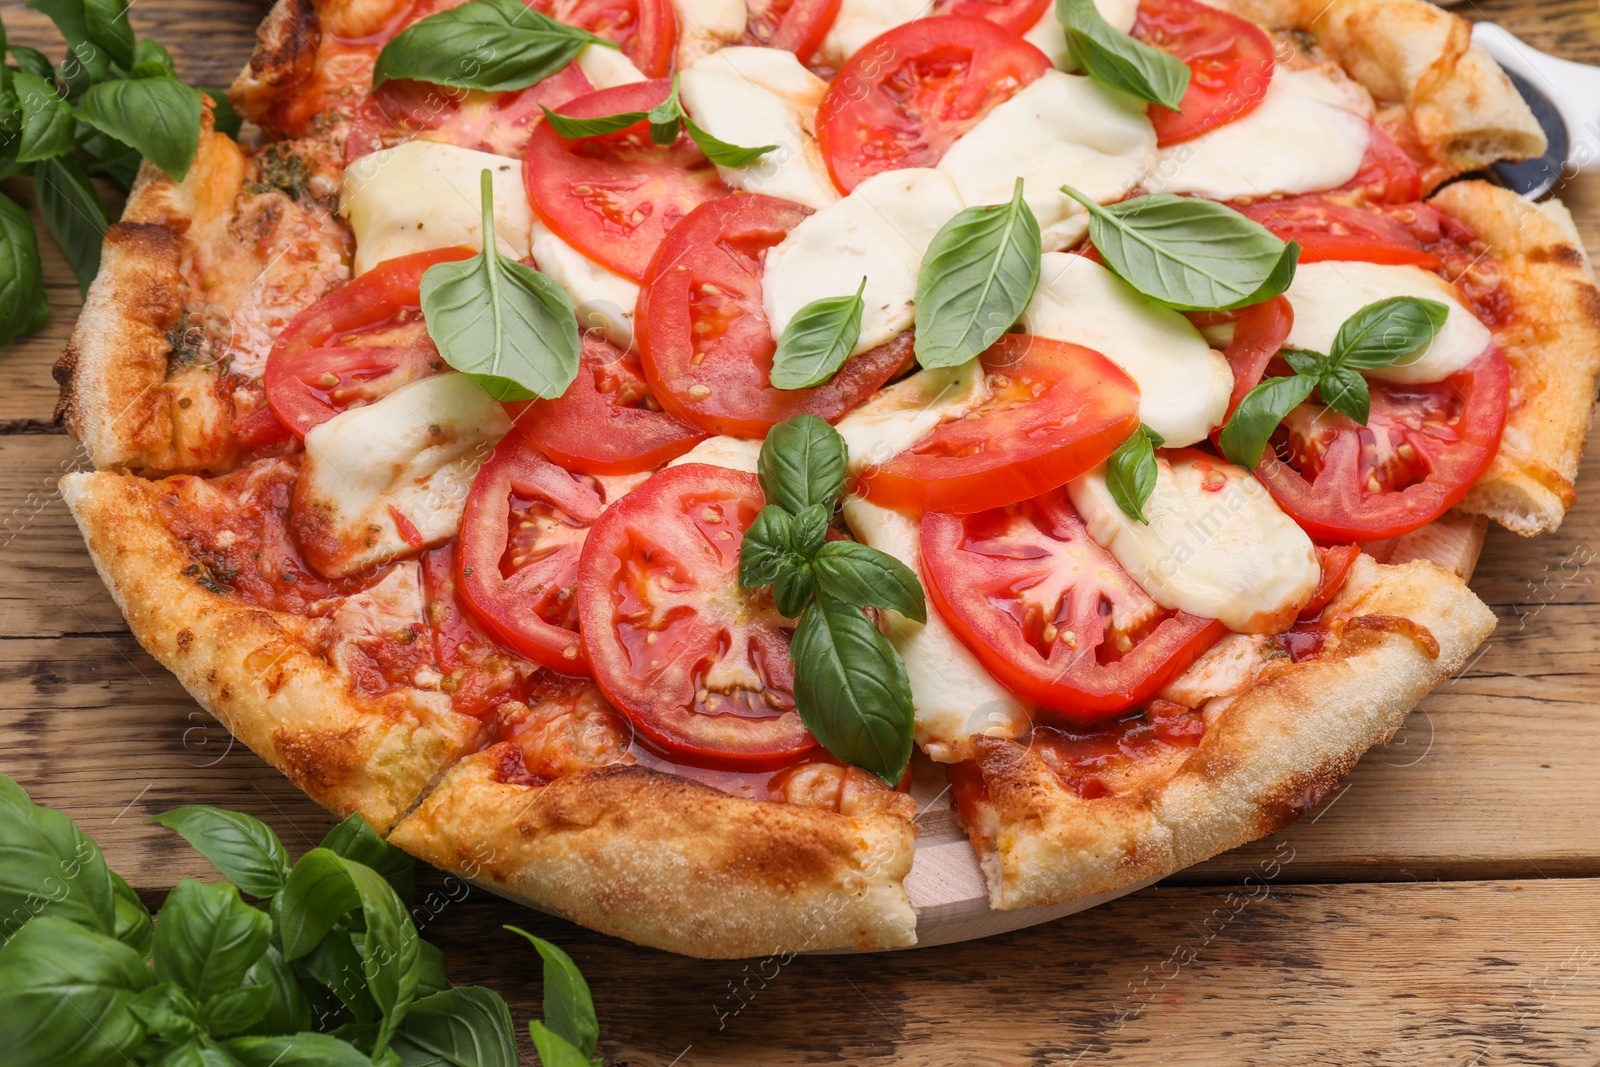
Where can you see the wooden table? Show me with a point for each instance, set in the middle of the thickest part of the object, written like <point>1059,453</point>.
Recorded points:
<point>1441,908</point>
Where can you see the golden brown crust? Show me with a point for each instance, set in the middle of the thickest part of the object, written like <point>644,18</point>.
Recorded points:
<point>265,675</point>
<point>1553,347</point>
<point>285,55</point>
<point>1267,756</point>
<point>670,863</point>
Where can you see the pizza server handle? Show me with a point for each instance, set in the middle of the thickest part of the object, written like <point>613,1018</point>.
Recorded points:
<point>1557,89</point>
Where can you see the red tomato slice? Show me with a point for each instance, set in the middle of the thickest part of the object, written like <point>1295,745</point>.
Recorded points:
<point>357,344</point>
<point>1018,16</point>
<point>1258,334</point>
<point>1329,231</point>
<point>608,420</point>
<point>797,26</point>
<point>1054,411</point>
<point>908,94</point>
<point>481,675</point>
<point>1230,64</point>
<point>1421,450</point>
<point>706,344</point>
<point>647,30</point>
<point>517,563</point>
<point>1387,175</point>
<point>697,664</point>
<point>1336,561</point>
<point>615,198</point>
<point>1051,614</point>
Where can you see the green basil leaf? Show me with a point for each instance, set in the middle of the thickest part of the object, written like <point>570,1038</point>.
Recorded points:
<point>109,28</point>
<point>864,577</point>
<point>432,977</point>
<point>131,923</point>
<point>1245,436</point>
<point>112,159</point>
<point>206,937</point>
<point>193,1054</point>
<point>22,299</point>
<point>295,1050</point>
<point>48,867</point>
<point>289,1011</point>
<point>355,839</point>
<point>243,848</point>
<point>510,327</point>
<point>553,1049</point>
<point>568,1006</point>
<point>721,152</point>
<point>158,116</point>
<point>1131,472</point>
<point>336,965</point>
<point>1345,391</point>
<point>47,123</point>
<point>224,119</point>
<point>86,60</point>
<point>74,213</point>
<point>851,690</point>
<point>1190,254</point>
<point>1117,60</point>
<point>469,1026</point>
<point>169,1011</point>
<point>802,462</point>
<point>31,61</point>
<point>976,278</point>
<point>766,549</point>
<point>574,129</point>
<point>666,118</point>
<point>818,340</point>
<point>794,587</point>
<point>1306,362</point>
<point>152,60</point>
<point>497,46</point>
<point>237,1009</point>
<point>1386,332</point>
<point>810,529</point>
<point>54,974</point>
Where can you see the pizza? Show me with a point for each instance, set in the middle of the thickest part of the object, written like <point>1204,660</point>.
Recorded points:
<point>1106,398</point>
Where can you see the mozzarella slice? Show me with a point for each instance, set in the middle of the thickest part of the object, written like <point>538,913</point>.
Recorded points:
<point>897,417</point>
<point>705,26</point>
<point>1183,384</point>
<point>605,300</point>
<point>859,21</point>
<point>879,232</point>
<point>735,453</point>
<point>1216,545</point>
<point>607,68</point>
<point>1325,294</point>
<point>423,194</point>
<point>955,698</point>
<point>759,96</point>
<point>415,451</point>
<point>1048,37</point>
<point>1060,129</point>
<point>1309,133</point>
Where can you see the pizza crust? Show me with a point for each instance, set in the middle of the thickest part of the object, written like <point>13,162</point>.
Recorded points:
<point>1267,757</point>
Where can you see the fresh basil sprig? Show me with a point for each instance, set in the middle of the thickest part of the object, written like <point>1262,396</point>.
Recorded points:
<point>510,327</point>
<point>850,685</point>
<point>570,1033</point>
<point>1131,472</point>
<point>1188,253</point>
<point>667,119</point>
<point>976,278</point>
<point>496,46</point>
<point>1117,60</point>
<point>818,340</point>
<point>1378,335</point>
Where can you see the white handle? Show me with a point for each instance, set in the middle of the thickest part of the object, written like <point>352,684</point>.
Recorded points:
<point>1574,88</point>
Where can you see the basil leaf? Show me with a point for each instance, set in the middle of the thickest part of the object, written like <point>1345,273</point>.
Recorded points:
<point>510,327</point>
<point>1306,362</point>
<point>109,28</point>
<point>765,551</point>
<point>794,587</point>
<point>54,974</point>
<point>31,60</point>
<point>158,116</point>
<point>237,1009</point>
<point>243,848</point>
<point>1245,436</point>
<point>206,937</point>
<point>574,129</point>
<point>851,690</point>
<point>1117,60</point>
<point>289,1010</point>
<point>568,1006</point>
<point>433,977</point>
<point>553,1049</point>
<point>224,119</point>
<point>169,1011</point>
<point>976,278</point>
<point>802,462</point>
<point>1190,254</point>
<point>74,213</point>
<point>335,964</point>
<point>194,1054</point>
<point>295,1050</point>
<point>810,529</point>
<point>1131,472</point>
<point>1345,391</point>
<point>152,60</point>
<point>497,46</point>
<point>131,922</point>
<point>47,123</point>
<point>87,59</point>
<point>469,1026</point>
<point>355,839</point>
<point>864,577</point>
<point>818,340</point>
<point>113,159</point>
<point>666,118</point>
<point>1385,332</point>
<point>48,867</point>
<point>22,299</point>
<point>721,152</point>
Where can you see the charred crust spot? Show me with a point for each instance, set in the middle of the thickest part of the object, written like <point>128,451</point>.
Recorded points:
<point>1564,255</point>
<point>1392,624</point>
<point>318,760</point>
<point>286,42</point>
<point>64,370</point>
<point>1299,794</point>
<point>185,638</point>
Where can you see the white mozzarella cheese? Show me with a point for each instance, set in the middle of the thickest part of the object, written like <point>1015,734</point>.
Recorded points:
<point>1048,37</point>
<point>955,698</point>
<point>1216,545</point>
<point>707,25</point>
<point>879,232</point>
<point>759,96</point>
<point>859,21</point>
<point>735,453</point>
<point>416,451</point>
<point>424,194</point>
<point>1324,295</point>
<point>1060,129</point>
<point>1309,133</point>
<point>605,300</point>
<point>607,68</point>
<point>1183,384</point>
<point>897,417</point>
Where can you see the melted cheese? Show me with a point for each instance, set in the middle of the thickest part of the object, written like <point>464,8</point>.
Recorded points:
<point>424,194</point>
<point>897,417</point>
<point>1216,545</point>
<point>1309,133</point>
<point>735,453</point>
<point>1324,295</point>
<point>607,68</point>
<point>1048,37</point>
<point>370,619</point>
<point>605,300</point>
<point>416,451</point>
<point>1183,384</point>
<point>955,698</point>
<point>859,21</point>
<point>705,26</point>
<point>759,96</point>
<point>880,232</point>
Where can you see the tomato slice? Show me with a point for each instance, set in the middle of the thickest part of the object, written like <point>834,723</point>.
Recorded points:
<point>904,98</point>
<point>480,674</point>
<point>697,664</point>
<point>1388,174</point>
<point>517,564</point>
<point>647,30</point>
<point>797,26</point>
<point>615,197</point>
<point>1258,334</point>
<point>1054,411</point>
<point>1329,231</point>
<point>355,345</point>
<point>1051,614</point>
<point>706,344</point>
<point>608,420</point>
<point>1018,16</point>
<point>1336,561</point>
<point>1421,450</point>
<point>1230,64</point>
